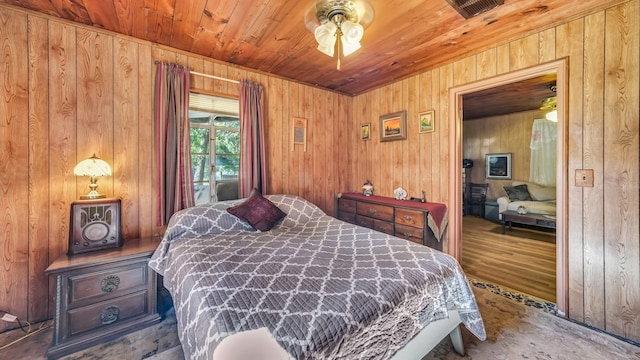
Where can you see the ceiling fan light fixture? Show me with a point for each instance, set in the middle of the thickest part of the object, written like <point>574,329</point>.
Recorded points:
<point>551,104</point>
<point>339,19</point>
<point>552,115</point>
<point>351,35</point>
<point>352,32</point>
<point>325,35</point>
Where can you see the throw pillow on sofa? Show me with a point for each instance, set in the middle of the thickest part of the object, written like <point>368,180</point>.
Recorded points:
<point>538,192</point>
<point>518,193</point>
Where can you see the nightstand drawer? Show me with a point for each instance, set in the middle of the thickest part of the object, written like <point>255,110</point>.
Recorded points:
<point>107,312</point>
<point>408,217</point>
<point>113,281</point>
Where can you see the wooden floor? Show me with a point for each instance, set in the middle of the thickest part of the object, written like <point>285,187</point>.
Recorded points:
<point>522,259</point>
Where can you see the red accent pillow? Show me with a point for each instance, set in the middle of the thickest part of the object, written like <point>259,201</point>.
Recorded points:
<point>258,211</point>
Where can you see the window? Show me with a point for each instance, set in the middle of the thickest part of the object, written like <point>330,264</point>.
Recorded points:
<point>215,146</point>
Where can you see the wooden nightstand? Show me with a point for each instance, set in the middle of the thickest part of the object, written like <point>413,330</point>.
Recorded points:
<point>102,295</point>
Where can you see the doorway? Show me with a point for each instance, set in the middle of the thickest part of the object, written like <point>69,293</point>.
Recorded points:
<point>456,155</point>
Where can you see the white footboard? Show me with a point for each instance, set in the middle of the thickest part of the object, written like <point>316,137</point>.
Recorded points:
<point>431,336</point>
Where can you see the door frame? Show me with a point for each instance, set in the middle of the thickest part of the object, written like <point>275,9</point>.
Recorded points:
<point>559,67</point>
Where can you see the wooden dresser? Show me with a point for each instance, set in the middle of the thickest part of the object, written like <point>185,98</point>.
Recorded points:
<point>103,294</point>
<point>403,218</point>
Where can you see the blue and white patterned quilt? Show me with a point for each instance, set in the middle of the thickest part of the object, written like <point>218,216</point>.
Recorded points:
<point>324,288</point>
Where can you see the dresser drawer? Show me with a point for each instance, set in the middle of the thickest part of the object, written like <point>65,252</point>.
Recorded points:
<point>346,205</point>
<point>347,216</point>
<point>383,226</point>
<point>381,212</point>
<point>364,221</point>
<point>106,313</point>
<point>410,233</point>
<point>408,217</point>
<point>375,224</point>
<point>109,282</point>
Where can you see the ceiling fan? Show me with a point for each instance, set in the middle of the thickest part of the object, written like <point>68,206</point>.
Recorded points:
<point>343,20</point>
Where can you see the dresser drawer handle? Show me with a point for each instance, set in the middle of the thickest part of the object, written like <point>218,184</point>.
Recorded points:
<point>407,234</point>
<point>109,315</point>
<point>110,283</point>
<point>407,218</point>
<point>372,211</point>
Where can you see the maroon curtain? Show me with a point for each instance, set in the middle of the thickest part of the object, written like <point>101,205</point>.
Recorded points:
<point>173,141</point>
<point>252,156</point>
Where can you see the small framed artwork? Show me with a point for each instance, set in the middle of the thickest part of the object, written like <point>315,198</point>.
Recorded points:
<point>427,121</point>
<point>393,126</point>
<point>299,133</point>
<point>365,131</point>
<point>498,166</point>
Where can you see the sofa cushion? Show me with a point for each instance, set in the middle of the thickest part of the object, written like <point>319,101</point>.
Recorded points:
<point>518,193</point>
<point>534,207</point>
<point>538,192</point>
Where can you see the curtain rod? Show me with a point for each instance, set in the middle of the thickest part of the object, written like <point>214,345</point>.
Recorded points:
<point>214,77</point>
<point>209,76</point>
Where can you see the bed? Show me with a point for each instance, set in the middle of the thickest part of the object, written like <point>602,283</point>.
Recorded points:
<point>312,287</point>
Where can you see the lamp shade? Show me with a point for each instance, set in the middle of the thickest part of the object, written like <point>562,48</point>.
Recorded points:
<point>552,115</point>
<point>92,166</point>
<point>351,35</point>
<point>326,37</point>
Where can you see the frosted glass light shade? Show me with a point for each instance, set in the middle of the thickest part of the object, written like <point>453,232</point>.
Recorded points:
<point>326,37</point>
<point>552,115</point>
<point>351,35</point>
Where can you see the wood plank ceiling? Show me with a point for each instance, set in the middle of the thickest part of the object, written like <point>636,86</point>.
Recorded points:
<point>404,38</point>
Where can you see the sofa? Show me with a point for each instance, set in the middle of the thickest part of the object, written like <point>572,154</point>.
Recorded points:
<point>535,199</point>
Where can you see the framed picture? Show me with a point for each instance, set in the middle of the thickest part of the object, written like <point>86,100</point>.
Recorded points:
<point>299,133</point>
<point>498,166</point>
<point>393,126</point>
<point>426,120</point>
<point>365,131</point>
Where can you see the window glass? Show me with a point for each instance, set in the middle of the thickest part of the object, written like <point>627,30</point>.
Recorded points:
<point>215,144</point>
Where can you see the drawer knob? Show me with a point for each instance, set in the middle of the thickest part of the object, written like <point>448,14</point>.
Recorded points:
<point>110,283</point>
<point>109,315</point>
<point>407,235</point>
<point>372,211</point>
<point>408,218</point>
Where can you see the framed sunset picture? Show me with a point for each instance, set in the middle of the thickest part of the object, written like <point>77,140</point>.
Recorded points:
<point>393,126</point>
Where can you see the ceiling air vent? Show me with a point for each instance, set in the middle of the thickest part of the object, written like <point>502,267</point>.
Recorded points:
<point>471,8</point>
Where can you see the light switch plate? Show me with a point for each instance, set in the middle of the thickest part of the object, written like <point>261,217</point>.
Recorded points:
<point>584,177</point>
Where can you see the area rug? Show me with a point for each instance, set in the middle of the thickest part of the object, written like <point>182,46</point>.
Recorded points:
<point>522,327</point>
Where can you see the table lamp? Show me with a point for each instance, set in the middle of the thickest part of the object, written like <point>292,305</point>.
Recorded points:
<point>93,167</point>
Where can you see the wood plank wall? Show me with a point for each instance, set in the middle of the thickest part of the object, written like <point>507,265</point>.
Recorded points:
<point>499,134</point>
<point>70,91</point>
<point>603,225</point>
<point>68,81</point>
